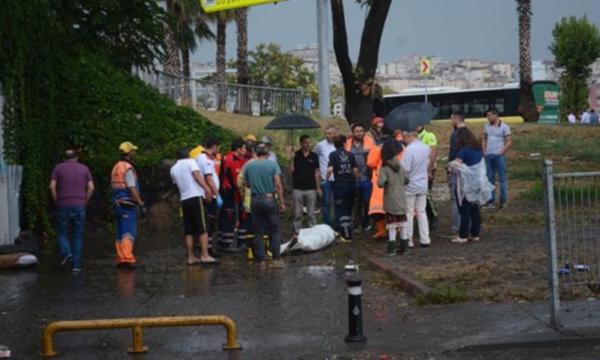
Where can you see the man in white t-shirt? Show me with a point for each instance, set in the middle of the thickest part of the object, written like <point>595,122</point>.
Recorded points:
<point>416,164</point>
<point>207,163</point>
<point>572,118</point>
<point>585,117</point>
<point>193,191</point>
<point>323,149</point>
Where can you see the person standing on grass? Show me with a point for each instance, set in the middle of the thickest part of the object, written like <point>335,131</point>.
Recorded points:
<point>473,188</point>
<point>194,193</point>
<point>360,145</point>
<point>71,187</point>
<point>415,163</point>
<point>496,142</point>
<point>571,118</point>
<point>428,138</point>
<point>263,177</point>
<point>342,166</point>
<point>593,117</point>
<point>457,120</point>
<point>305,178</point>
<point>323,149</point>
<point>392,179</point>
<point>585,117</point>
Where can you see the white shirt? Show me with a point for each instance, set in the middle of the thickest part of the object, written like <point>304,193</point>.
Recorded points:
<point>585,117</point>
<point>572,119</point>
<point>323,149</point>
<point>181,175</point>
<point>415,162</point>
<point>207,167</point>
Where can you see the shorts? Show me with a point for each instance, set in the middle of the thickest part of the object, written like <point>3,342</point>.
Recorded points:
<point>194,216</point>
<point>393,219</point>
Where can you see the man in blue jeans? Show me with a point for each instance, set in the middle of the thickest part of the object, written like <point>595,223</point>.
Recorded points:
<point>71,186</point>
<point>496,143</point>
<point>323,149</point>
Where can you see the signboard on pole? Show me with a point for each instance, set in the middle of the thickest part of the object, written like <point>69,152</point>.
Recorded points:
<point>219,5</point>
<point>425,66</point>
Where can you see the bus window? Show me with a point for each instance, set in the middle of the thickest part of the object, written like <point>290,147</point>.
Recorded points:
<point>444,110</point>
<point>478,107</point>
<point>499,104</point>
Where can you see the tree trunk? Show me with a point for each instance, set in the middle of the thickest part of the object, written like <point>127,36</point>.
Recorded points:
<point>220,62</point>
<point>526,107</point>
<point>185,59</point>
<point>358,97</point>
<point>172,64</point>
<point>243,77</point>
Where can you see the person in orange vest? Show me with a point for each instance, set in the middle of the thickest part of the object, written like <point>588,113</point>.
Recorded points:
<point>126,201</point>
<point>359,145</point>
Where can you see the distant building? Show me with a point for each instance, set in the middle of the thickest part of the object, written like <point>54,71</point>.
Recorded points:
<point>309,53</point>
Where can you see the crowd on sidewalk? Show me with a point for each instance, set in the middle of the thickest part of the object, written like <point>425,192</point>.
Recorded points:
<point>377,181</point>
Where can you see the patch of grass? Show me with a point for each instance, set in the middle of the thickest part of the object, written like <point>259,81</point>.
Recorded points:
<point>563,193</point>
<point>442,294</point>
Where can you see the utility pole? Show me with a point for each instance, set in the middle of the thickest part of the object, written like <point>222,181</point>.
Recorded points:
<point>323,71</point>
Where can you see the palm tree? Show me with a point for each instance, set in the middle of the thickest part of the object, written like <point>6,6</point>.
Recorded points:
<point>527,107</point>
<point>221,18</point>
<point>243,77</point>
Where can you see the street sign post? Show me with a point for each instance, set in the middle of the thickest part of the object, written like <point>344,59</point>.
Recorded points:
<point>425,70</point>
<point>220,5</point>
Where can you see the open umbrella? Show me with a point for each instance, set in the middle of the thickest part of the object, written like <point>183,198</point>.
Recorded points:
<point>291,122</point>
<point>409,116</point>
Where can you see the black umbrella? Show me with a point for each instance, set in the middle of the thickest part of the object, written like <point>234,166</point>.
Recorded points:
<point>409,116</point>
<point>291,122</point>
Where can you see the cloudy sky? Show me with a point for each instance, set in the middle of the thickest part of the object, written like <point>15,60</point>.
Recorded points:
<point>482,29</point>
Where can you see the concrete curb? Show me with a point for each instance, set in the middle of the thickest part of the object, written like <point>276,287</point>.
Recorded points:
<point>405,282</point>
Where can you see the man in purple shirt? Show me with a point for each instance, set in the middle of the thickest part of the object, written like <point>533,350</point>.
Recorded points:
<point>71,186</point>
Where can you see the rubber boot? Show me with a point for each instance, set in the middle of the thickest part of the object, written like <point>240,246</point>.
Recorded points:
<point>392,248</point>
<point>267,248</point>
<point>250,251</point>
<point>403,246</point>
<point>380,232</point>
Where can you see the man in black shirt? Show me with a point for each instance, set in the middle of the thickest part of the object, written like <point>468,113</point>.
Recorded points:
<point>306,181</point>
<point>457,119</point>
<point>342,165</point>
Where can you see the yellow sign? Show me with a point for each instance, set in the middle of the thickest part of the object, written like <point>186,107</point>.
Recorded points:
<point>220,5</point>
<point>425,66</point>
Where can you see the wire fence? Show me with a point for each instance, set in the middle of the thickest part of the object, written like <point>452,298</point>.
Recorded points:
<point>572,212</point>
<point>232,98</point>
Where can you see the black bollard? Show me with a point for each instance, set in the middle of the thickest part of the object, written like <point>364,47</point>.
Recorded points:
<point>355,325</point>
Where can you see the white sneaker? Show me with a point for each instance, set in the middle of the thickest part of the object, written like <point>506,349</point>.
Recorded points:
<point>459,240</point>
<point>411,244</point>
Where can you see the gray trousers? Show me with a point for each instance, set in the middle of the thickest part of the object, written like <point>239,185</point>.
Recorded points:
<point>308,199</point>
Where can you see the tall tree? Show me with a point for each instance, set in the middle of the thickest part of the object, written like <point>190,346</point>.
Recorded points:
<point>221,18</point>
<point>527,107</point>
<point>172,61</point>
<point>576,46</point>
<point>241,22</point>
<point>358,80</point>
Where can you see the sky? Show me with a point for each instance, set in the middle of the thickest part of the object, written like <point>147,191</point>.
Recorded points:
<point>452,29</point>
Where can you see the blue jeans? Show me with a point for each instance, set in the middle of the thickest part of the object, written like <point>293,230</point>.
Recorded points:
<point>327,187</point>
<point>74,217</point>
<point>265,218</point>
<point>343,195</point>
<point>497,164</point>
<point>470,219</point>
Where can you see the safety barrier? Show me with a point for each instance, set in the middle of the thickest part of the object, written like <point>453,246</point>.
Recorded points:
<point>136,325</point>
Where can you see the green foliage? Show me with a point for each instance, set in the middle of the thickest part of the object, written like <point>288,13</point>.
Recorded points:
<point>269,66</point>
<point>62,91</point>
<point>576,46</point>
<point>441,294</point>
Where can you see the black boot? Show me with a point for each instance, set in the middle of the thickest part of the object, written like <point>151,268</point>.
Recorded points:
<point>403,246</point>
<point>392,248</point>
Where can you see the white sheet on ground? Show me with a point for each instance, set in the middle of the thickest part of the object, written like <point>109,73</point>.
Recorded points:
<point>311,239</point>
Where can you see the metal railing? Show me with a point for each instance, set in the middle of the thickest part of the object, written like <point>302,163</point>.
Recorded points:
<point>232,98</point>
<point>572,213</point>
<point>136,325</point>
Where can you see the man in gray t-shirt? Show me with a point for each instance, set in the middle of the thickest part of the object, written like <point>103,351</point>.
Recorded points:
<point>496,143</point>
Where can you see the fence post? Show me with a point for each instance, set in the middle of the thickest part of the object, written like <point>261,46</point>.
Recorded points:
<point>550,217</point>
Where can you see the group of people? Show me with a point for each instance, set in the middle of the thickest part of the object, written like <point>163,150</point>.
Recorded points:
<point>374,178</point>
<point>587,117</point>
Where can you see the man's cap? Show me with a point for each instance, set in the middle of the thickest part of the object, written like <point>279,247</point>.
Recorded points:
<point>266,140</point>
<point>377,120</point>
<point>250,137</point>
<point>126,147</point>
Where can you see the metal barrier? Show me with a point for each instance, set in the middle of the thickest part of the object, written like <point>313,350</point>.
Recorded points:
<point>233,98</point>
<point>572,213</point>
<point>136,325</point>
